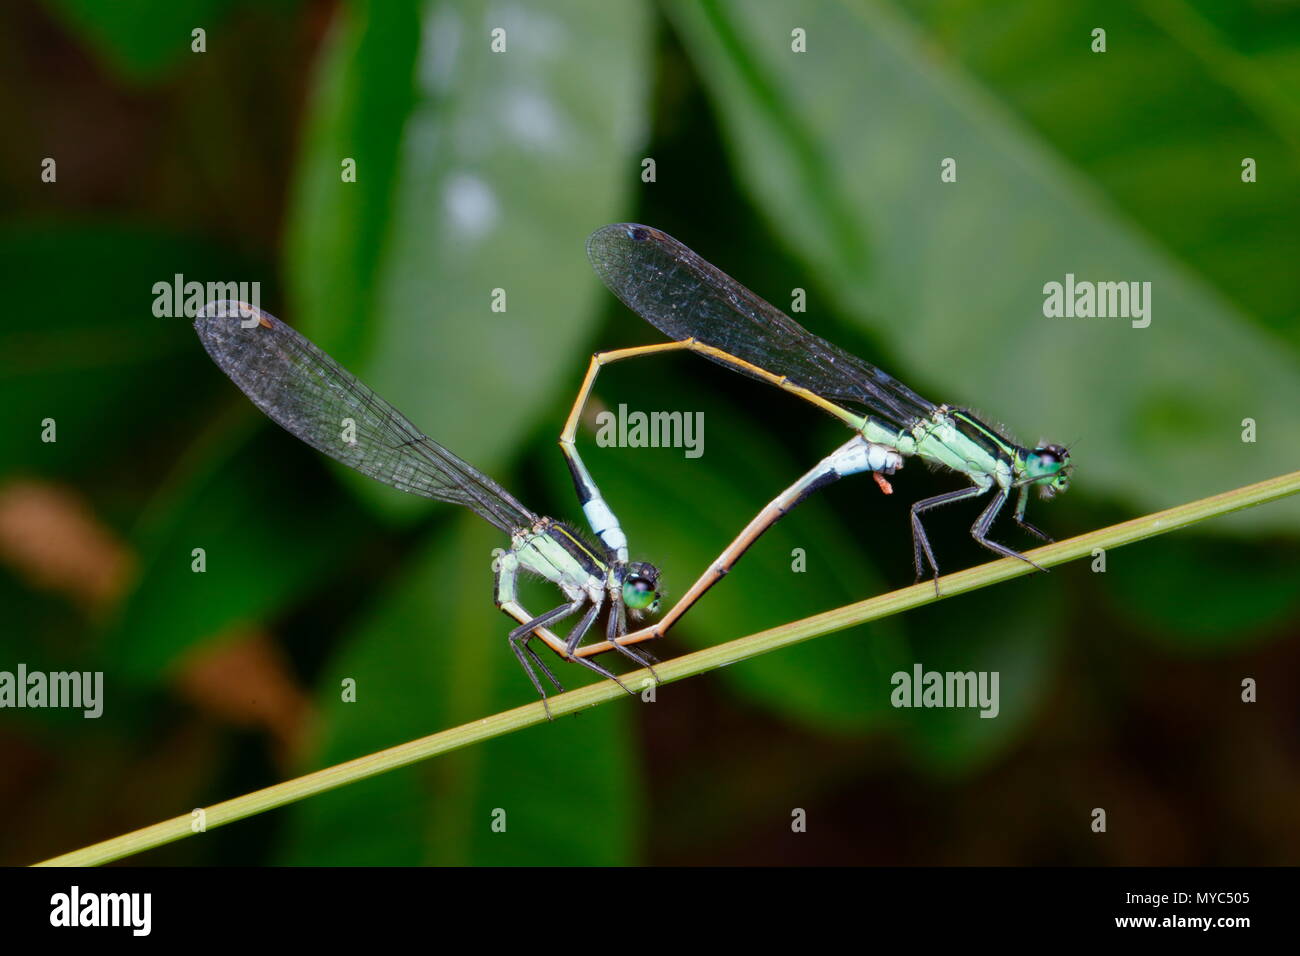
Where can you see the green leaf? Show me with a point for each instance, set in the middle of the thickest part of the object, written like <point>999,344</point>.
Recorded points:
<point>42,643</point>
<point>83,360</point>
<point>365,90</point>
<point>1201,594</point>
<point>476,171</point>
<point>1184,92</point>
<point>434,654</point>
<point>258,552</point>
<point>842,146</point>
<point>1013,632</point>
<point>140,39</point>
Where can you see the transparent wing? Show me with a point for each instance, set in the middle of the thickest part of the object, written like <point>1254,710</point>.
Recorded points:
<point>307,393</point>
<point>683,296</point>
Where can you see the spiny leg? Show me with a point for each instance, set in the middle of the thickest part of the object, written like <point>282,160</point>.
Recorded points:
<point>1020,515</point>
<point>602,671</point>
<point>524,634</point>
<point>580,629</point>
<point>921,543</point>
<point>532,676</point>
<point>616,622</point>
<point>574,639</point>
<point>518,639</point>
<point>641,660</point>
<point>979,531</point>
<point>1041,535</point>
<point>536,659</point>
<point>616,627</point>
<point>506,598</point>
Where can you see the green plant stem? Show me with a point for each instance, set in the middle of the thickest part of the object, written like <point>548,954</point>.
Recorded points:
<point>687,665</point>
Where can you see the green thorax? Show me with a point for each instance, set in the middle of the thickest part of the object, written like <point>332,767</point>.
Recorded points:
<point>957,440</point>
<point>555,552</point>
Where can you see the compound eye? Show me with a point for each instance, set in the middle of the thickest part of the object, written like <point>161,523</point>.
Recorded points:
<point>639,593</point>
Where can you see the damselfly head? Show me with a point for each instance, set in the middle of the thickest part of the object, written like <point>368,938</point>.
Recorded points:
<point>1048,466</point>
<point>641,588</point>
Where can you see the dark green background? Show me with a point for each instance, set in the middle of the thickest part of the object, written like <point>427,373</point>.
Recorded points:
<point>818,171</point>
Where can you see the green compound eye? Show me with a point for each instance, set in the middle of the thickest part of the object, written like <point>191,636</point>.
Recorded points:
<point>639,593</point>
<point>1047,460</point>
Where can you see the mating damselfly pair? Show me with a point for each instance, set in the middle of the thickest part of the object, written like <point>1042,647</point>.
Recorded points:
<point>700,309</point>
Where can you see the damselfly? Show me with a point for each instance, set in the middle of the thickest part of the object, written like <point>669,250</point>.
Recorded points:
<point>311,396</point>
<point>706,311</point>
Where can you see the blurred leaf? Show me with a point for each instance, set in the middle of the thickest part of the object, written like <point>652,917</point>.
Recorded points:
<point>247,682</point>
<point>139,39</point>
<point>1185,90</point>
<point>476,171</point>
<point>1014,630</point>
<point>680,513</point>
<point>52,537</point>
<point>1158,410</point>
<point>83,358</point>
<point>48,639</point>
<point>365,90</point>
<point>433,655</point>
<point>267,538</point>
<point>1197,593</point>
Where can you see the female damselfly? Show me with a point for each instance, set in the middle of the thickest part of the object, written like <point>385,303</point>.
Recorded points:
<point>302,389</point>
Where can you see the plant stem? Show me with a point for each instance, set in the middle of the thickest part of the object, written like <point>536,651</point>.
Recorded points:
<point>687,665</point>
